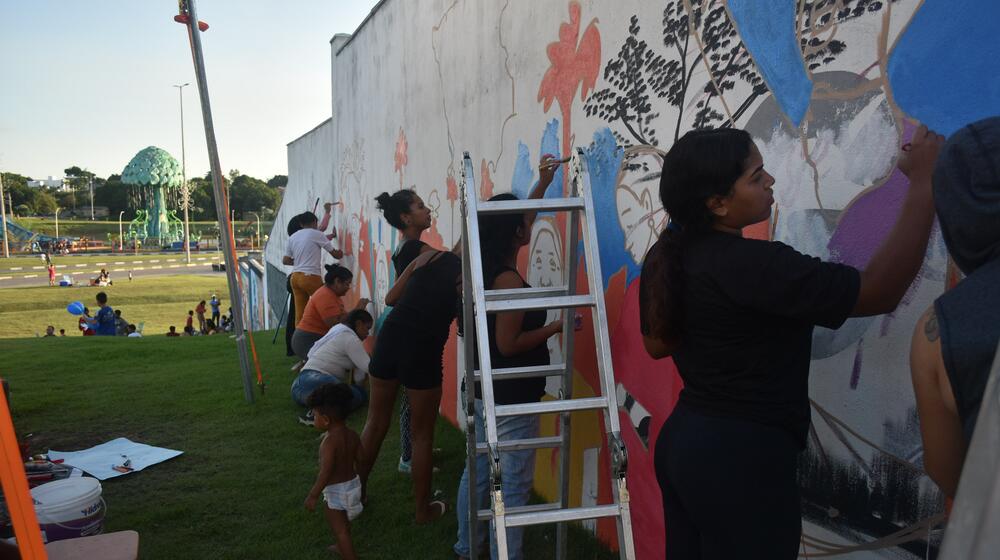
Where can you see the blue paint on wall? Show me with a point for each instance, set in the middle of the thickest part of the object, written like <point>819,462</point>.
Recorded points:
<point>550,145</point>
<point>604,157</point>
<point>944,71</point>
<point>767,28</point>
<point>524,175</point>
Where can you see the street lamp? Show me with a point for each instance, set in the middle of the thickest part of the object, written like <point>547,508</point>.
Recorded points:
<point>57,221</point>
<point>185,192</point>
<point>121,236</point>
<point>258,228</point>
<point>3,218</point>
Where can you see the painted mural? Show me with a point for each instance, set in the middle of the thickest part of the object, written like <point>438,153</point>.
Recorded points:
<point>828,88</point>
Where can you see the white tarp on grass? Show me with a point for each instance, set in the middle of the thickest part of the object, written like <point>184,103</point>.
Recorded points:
<point>99,461</point>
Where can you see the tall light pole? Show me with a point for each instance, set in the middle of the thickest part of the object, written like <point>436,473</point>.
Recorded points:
<point>258,229</point>
<point>90,180</point>
<point>121,234</point>
<point>3,218</point>
<point>57,221</point>
<point>185,193</point>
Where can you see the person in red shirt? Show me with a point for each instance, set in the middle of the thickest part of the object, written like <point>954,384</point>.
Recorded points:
<point>200,310</point>
<point>189,325</point>
<point>84,323</point>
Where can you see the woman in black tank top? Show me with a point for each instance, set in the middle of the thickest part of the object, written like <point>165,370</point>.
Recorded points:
<point>516,339</point>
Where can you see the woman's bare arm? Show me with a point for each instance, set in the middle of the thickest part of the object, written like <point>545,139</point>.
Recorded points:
<point>511,340</point>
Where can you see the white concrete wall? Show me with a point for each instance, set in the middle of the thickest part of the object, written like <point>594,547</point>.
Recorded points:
<point>424,80</point>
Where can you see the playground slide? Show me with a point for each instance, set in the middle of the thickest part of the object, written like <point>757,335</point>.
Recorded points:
<point>20,233</point>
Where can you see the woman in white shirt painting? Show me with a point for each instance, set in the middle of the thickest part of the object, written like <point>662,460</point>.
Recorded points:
<point>333,358</point>
<point>304,252</point>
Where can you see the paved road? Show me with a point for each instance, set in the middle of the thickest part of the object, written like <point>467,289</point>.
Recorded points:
<point>119,273</point>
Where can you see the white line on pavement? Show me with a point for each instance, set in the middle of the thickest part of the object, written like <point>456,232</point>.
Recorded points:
<point>155,267</point>
<point>139,268</point>
<point>100,264</point>
<point>118,270</point>
<point>4,277</point>
<point>31,276</point>
<point>154,260</point>
<point>203,258</point>
<point>174,266</point>
<point>119,262</point>
<point>79,265</point>
<point>37,267</point>
<point>16,268</point>
<point>171,260</point>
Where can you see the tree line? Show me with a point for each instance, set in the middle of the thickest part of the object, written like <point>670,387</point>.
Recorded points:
<point>246,194</point>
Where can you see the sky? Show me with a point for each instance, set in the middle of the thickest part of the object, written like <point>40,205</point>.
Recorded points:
<point>90,83</point>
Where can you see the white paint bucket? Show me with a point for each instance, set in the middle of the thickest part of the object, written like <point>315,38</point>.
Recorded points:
<point>69,508</point>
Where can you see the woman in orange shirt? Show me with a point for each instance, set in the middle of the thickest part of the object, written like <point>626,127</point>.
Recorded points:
<point>324,309</point>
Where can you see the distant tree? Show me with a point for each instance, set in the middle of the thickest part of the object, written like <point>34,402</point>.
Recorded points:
<point>202,198</point>
<point>66,199</point>
<point>248,194</point>
<point>82,177</point>
<point>278,181</point>
<point>113,194</point>
<point>45,203</point>
<point>233,174</point>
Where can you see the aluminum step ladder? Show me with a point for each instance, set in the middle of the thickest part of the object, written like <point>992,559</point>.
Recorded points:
<point>477,303</point>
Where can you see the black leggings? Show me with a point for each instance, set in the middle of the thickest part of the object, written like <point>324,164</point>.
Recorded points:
<point>729,488</point>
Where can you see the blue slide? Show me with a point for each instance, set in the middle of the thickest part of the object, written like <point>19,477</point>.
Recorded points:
<point>20,233</point>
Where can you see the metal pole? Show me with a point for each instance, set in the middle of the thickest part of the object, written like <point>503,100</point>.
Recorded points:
<point>221,202</point>
<point>258,228</point>
<point>3,215</point>
<point>91,183</point>
<point>185,193</point>
<point>57,221</point>
<point>121,234</point>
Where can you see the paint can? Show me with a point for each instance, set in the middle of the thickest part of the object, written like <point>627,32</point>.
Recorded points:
<point>69,508</point>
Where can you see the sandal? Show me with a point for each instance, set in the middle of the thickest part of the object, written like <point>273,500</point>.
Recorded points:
<point>435,505</point>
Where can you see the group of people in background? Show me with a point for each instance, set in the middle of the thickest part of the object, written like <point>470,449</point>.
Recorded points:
<point>218,323</point>
<point>736,315</point>
<point>106,322</point>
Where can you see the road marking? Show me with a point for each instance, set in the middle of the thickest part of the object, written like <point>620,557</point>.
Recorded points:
<point>119,262</point>
<point>79,265</point>
<point>100,264</point>
<point>136,262</point>
<point>171,260</point>
<point>4,277</point>
<point>17,268</point>
<point>118,270</point>
<point>37,267</point>
<point>174,266</point>
<point>139,268</point>
<point>155,267</point>
<point>203,258</point>
<point>31,276</point>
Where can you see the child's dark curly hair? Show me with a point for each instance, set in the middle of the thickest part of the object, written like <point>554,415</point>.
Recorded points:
<point>332,399</point>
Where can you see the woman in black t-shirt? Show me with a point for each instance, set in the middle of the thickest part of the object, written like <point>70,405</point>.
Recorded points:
<point>409,347</point>
<point>516,339</point>
<point>737,317</point>
<point>406,212</point>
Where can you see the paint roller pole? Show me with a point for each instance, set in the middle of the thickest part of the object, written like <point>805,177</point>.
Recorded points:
<point>221,202</point>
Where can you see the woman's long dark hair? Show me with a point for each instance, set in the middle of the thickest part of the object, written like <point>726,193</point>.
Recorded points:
<point>702,164</point>
<point>337,272</point>
<point>496,238</point>
<point>354,316</point>
<point>394,205</point>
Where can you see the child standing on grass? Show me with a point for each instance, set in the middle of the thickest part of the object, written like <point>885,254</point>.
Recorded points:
<point>339,454</point>
<point>200,310</point>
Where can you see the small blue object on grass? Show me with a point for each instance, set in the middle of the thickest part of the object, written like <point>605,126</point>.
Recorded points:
<point>75,308</point>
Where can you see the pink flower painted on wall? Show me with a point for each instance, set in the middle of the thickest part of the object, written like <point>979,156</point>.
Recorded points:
<point>400,155</point>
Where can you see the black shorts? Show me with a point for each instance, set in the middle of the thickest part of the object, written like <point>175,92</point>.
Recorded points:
<point>405,356</point>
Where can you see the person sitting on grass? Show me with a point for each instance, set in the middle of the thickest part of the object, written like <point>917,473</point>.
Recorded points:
<point>189,330</point>
<point>50,331</point>
<point>173,331</point>
<point>210,327</point>
<point>62,332</point>
<point>332,360</point>
<point>104,323</point>
<point>133,333</point>
<point>121,325</point>
<point>339,455</point>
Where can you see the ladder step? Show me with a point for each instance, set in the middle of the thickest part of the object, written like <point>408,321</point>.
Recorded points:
<point>545,407</point>
<point>560,515</point>
<point>522,444</point>
<point>487,514</point>
<point>524,372</point>
<point>530,205</point>
<point>522,293</point>
<point>560,302</point>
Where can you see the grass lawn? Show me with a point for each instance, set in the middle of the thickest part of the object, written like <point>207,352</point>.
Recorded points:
<point>237,491</point>
<point>157,301</point>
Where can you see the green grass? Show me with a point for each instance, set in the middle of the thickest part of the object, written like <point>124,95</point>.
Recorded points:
<point>157,301</point>
<point>237,491</point>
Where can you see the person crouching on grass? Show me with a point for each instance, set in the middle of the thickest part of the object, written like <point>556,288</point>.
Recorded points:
<point>339,454</point>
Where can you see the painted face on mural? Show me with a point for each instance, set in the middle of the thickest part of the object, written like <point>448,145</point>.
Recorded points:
<point>750,200</point>
<point>544,258</point>
<point>419,214</point>
<point>639,212</point>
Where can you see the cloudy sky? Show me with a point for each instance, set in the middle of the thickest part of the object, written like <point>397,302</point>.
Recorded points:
<point>90,83</point>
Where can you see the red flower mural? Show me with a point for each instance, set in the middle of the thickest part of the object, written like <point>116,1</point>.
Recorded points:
<point>575,62</point>
<point>400,155</point>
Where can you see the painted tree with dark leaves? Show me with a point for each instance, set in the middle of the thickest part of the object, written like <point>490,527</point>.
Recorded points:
<point>817,31</point>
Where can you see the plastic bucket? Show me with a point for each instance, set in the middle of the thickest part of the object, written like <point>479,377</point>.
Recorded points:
<point>69,508</point>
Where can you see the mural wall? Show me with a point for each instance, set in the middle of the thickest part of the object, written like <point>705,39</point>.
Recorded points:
<point>829,90</point>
